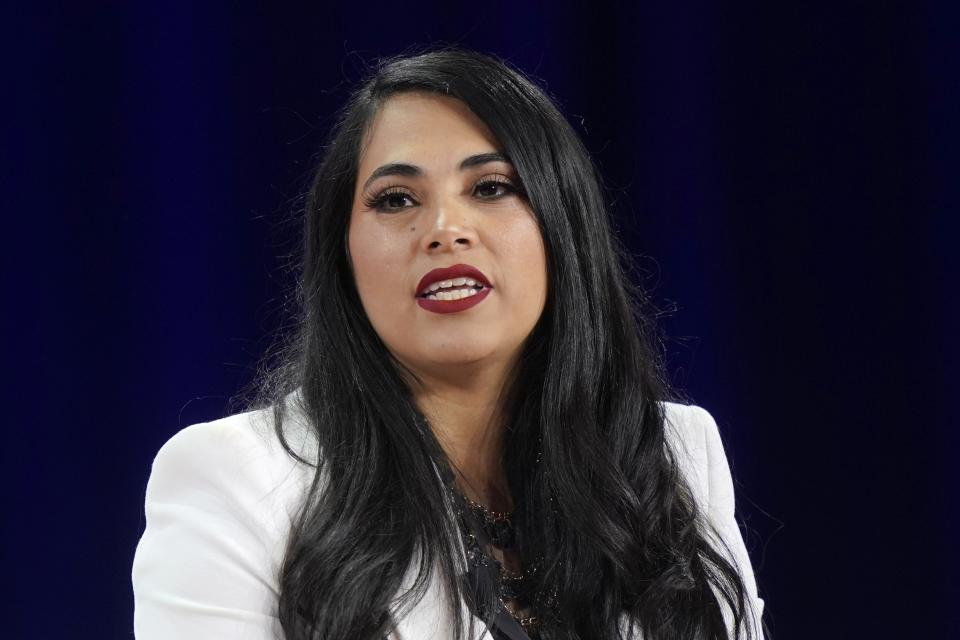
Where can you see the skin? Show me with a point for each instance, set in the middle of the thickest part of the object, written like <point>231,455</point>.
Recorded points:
<point>437,219</point>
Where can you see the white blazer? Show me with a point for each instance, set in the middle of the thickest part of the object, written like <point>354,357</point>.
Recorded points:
<point>221,498</point>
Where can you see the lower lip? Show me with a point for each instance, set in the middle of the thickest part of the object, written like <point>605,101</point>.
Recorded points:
<point>453,306</point>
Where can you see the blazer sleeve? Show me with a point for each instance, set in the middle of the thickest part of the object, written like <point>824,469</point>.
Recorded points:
<point>203,569</point>
<point>720,512</point>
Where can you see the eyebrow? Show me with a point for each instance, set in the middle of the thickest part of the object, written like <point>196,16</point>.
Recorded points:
<point>412,170</point>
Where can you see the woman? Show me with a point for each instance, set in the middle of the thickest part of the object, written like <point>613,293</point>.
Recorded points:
<point>470,435</point>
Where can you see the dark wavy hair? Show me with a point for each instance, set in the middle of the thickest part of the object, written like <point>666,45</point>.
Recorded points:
<point>600,501</point>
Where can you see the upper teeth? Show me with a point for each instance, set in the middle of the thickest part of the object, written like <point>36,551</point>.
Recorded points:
<point>456,282</point>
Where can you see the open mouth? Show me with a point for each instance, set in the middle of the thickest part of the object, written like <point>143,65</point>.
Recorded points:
<point>453,291</point>
<point>455,299</point>
<point>460,282</point>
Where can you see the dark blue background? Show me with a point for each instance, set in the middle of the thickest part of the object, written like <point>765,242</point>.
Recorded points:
<point>786,172</point>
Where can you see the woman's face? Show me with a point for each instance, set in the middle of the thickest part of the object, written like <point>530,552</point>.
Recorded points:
<point>431,193</point>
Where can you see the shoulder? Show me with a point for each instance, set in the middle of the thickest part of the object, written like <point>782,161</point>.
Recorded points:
<point>236,462</point>
<point>694,440</point>
<point>219,504</point>
<point>230,444</point>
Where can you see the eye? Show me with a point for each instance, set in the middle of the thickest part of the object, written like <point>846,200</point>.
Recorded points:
<point>494,187</point>
<point>390,200</point>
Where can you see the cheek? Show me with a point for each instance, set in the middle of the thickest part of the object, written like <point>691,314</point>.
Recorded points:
<point>529,250</point>
<point>525,265</point>
<point>364,255</point>
<point>373,266</point>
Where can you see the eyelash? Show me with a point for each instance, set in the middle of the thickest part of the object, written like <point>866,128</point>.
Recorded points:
<point>378,201</point>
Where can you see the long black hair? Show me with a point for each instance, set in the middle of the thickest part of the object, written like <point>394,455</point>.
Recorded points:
<point>600,503</point>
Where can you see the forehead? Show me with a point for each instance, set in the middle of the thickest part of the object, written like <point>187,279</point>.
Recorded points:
<point>424,128</point>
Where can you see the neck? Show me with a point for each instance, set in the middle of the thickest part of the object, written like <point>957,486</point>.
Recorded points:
<point>466,415</point>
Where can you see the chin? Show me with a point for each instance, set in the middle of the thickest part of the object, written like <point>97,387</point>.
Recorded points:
<point>453,355</point>
<point>456,354</point>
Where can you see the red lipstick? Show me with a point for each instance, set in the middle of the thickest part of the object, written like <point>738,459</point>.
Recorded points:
<point>449,273</point>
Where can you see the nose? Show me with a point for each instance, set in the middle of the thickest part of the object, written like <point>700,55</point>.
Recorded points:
<point>449,229</point>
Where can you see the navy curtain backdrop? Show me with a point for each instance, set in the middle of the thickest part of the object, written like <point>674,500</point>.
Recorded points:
<point>785,172</point>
